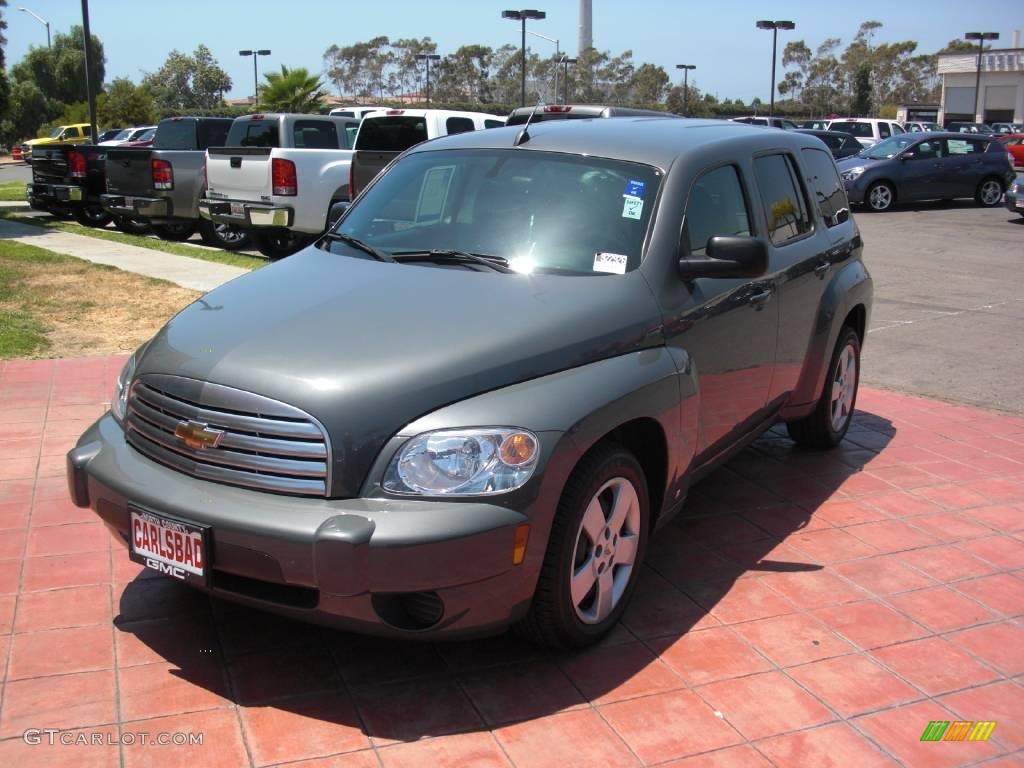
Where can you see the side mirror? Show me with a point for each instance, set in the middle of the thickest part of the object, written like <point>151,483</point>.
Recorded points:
<point>337,209</point>
<point>727,257</point>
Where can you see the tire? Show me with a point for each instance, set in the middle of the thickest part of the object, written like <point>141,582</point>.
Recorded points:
<point>132,226</point>
<point>279,244</point>
<point>557,618</point>
<point>989,193</point>
<point>178,231</point>
<point>91,216</point>
<point>880,197</point>
<point>226,236</point>
<point>825,426</point>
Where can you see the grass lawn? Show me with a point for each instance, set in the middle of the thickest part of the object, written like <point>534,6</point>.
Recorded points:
<point>58,306</point>
<point>109,233</point>
<point>12,190</point>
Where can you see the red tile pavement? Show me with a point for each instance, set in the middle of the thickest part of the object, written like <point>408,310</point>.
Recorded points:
<point>806,609</point>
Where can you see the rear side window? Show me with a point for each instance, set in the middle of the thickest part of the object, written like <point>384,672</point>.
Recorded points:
<point>391,133</point>
<point>784,206</point>
<point>314,134</point>
<point>455,125</point>
<point>175,134</point>
<point>965,146</point>
<point>254,133</point>
<point>717,207</point>
<point>213,133</point>
<point>826,186</point>
<point>72,133</point>
<point>833,142</point>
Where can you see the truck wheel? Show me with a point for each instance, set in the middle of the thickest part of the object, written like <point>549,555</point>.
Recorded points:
<point>177,231</point>
<point>226,236</point>
<point>597,545</point>
<point>880,196</point>
<point>989,193</point>
<point>827,423</point>
<point>91,216</point>
<point>276,245</point>
<point>132,226</point>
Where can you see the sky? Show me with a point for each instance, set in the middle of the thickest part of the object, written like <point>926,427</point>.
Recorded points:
<point>733,58</point>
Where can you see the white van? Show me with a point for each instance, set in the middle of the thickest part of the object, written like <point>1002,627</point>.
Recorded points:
<point>867,130</point>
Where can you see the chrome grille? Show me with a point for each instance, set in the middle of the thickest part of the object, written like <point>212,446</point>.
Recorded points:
<point>266,444</point>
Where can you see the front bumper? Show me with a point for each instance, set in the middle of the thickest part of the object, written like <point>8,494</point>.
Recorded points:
<point>246,214</point>
<point>856,189</point>
<point>1015,196</point>
<point>137,207</point>
<point>61,193</point>
<point>352,563</point>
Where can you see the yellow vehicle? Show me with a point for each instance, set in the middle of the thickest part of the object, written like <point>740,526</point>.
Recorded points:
<point>78,133</point>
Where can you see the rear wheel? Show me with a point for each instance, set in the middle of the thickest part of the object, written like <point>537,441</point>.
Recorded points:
<point>226,236</point>
<point>595,551</point>
<point>989,193</point>
<point>177,231</point>
<point>826,425</point>
<point>880,196</point>
<point>91,216</point>
<point>279,243</point>
<point>132,226</point>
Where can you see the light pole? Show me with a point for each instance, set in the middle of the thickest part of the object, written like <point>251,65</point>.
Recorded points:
<point>428,57</point>
<point>981,37</point>
<point>566,61</point>
<point>255,77</point>
<point>90,97</point>
<point>522,16</point>
<point>774,26</point>
<point>686,86</point>
<point>41,20</point>
<point>558,54</point>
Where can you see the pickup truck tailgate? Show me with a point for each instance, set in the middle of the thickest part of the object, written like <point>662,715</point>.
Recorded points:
<point>129,171</point>
<point>366,164</point>
<point>238,173</point>
<point>49,164</point>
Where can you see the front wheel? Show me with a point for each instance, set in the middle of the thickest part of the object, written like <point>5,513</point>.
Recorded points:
<point>226,236</point>
<point>826,425</point>
<point>881,196</point>
<point>91,216</point>
<point>177,231</point>
<point>989,193</point>
<point>279,243</point>
<point>595,551</point>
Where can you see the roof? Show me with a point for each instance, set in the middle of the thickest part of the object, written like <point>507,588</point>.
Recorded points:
<point>649,140</point>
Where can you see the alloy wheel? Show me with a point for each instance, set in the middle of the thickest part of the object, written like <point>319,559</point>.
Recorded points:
<point>844,388</point>
<point>606,550</point>
<point>880,197</point>
<point>991,192</point>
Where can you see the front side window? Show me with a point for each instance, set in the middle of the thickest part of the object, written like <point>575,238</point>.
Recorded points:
<point>544,212</point>
<point>896,129</point>
<point>926,150</point>
<point>716,207</point>
<point>784,206</point>
<point>883,130</point>
<point>314,134</point>
<point>455,125</point>
<point>826,186</point>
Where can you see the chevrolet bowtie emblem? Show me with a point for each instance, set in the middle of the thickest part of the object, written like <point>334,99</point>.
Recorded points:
<point>197,435</point>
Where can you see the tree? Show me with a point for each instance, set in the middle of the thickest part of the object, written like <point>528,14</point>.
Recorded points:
<point>4,85</point>
<point>291,90</point>
<point>188,82</point>
<point>59,72</point>
<point>650,82</point>
<point>125,103</point>
<point>861,104</point>
<point>961,46</point>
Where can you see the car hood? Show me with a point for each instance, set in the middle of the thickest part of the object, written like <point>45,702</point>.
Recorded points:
<point>367,347</point>
<point>855,161</point>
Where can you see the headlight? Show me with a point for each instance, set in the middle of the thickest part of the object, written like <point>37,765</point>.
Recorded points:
<point>119,402</point>
<point>464,462</point>
<point>852,173</point>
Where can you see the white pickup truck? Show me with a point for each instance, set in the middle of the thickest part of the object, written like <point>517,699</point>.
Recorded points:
<point>278,177</point>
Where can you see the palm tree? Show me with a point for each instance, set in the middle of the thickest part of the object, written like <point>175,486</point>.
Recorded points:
<point>291,90</point>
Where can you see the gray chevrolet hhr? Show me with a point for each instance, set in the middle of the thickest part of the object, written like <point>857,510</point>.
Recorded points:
<point>471,403</point>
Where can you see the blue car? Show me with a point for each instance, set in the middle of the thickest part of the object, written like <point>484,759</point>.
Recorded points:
<point>927,166</point>
<point>1015,196</point>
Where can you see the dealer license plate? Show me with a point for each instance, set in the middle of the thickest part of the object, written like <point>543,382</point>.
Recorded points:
<point>172,547</point>
<point>237,209</point>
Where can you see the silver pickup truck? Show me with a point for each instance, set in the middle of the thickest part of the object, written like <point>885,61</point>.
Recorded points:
<point>162,183</point>
<point>278,177</point>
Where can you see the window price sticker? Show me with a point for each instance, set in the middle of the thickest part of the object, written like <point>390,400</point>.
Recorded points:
<point>632,207</point>
<point>614,263</point>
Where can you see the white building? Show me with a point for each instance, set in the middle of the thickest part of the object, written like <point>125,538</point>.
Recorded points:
<point>1001,98</point>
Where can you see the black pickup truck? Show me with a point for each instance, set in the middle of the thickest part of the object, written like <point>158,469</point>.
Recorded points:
<point>67,180</point>
<point>163,183</point>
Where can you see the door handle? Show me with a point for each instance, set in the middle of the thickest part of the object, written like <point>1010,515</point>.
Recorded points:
<point>760,298</point>
<point>823,268</point>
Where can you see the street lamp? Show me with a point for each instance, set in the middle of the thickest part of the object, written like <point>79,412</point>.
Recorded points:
<point>566,61</point>
<point>428,57</point>
<point>558,54</point>
<point>686,87</point>
<point>981,37</point>
<point>41,20</point>
<point>255,77</point>
<point>774,26</point>
<point>522,16</point>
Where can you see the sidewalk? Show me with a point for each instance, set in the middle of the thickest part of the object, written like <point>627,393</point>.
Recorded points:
<point>197,274</point>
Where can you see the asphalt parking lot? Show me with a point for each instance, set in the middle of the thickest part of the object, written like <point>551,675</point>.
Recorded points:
<point>948,309</point>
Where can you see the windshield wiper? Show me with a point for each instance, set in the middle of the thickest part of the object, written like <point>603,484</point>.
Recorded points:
<point>497,263</point>
<point>355,242</point>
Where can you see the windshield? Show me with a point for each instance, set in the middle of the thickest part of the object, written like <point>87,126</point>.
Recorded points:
<point>543,211</point>
<point>854,129</point>
<point>889,147</point>
<point>56,132</point>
